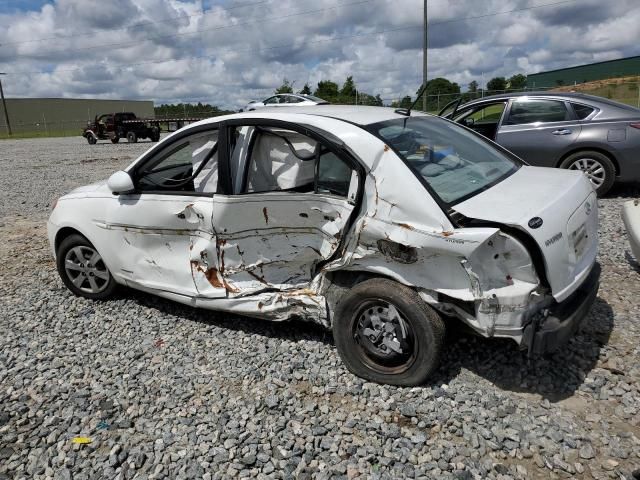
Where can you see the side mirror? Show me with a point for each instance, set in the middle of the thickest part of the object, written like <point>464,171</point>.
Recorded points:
<point>469,122</point>
<point>120,182</point>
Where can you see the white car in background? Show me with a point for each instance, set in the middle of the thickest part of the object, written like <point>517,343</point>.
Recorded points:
<point>285,100</point>
<point>375,223</point>
<point>631,218</point>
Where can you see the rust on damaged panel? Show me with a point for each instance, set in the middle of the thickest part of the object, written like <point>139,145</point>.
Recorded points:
<point>406,226</point>
<point>211,274</point>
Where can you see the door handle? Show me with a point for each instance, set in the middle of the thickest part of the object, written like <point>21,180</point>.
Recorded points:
<point>562,131</point>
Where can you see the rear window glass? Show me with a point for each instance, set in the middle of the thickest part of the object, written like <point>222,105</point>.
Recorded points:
<point>315,99</point>
<point>582,111</point>
<point>537,111</point>
<point>453,161</point>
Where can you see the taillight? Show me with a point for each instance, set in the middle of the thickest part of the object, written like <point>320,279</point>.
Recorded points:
<point>635,125</point>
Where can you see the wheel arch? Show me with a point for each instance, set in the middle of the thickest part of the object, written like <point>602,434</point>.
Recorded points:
<point>339,282</point>
<point>66,232</point>
<point>584,148</point>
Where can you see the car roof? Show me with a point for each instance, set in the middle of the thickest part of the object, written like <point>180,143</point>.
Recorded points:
<point>500,96</point>
<point>357,114</point>
<point>576,96</point>
<point>360,114</point>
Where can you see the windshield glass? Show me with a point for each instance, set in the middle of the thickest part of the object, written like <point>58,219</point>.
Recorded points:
<point>455,162</point>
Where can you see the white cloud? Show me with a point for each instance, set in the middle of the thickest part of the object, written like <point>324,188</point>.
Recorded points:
<point>168,50</point>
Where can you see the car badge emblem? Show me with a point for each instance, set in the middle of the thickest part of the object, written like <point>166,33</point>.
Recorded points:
<point>535,222</point>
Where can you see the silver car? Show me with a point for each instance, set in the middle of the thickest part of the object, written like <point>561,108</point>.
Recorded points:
<point>566,130</point>
<point>285,100</point>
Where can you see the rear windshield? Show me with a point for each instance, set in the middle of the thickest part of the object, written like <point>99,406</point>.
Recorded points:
<point>453,161</point>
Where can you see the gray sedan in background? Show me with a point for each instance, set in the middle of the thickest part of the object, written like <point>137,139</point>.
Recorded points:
<point>566,130</point>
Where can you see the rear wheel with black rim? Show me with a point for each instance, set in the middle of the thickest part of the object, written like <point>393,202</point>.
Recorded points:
<point>386,333</point>
<point>83,270</point>
<point>598,168</point>
<point>132,137</point>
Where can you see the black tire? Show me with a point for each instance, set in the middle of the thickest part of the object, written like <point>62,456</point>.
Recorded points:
<point>132,137</point>
<point>155,135</point>
<point>598,167</point>
<point>91,139</point>
<point>66,251</point>
<point>115,139</point>
<point>421,344</point>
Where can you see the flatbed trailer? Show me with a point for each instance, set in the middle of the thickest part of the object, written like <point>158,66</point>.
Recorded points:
<point>171,124</point>
<point>116,126</point>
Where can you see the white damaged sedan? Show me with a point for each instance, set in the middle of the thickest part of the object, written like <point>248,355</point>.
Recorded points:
<point>378,224</point>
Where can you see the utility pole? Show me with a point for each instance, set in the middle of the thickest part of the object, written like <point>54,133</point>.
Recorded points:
<point>424,59</point>
<point>4,105</point>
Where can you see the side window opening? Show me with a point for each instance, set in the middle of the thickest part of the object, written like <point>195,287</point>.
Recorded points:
<point>285,160</point>
<point>484,119</point>
<point>190,166</point>
<point>281,160</point>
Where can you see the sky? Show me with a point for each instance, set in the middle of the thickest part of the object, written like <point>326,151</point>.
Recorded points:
<point>227,52</point>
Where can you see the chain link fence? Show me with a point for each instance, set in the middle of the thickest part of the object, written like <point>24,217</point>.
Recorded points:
<point>622,91</point>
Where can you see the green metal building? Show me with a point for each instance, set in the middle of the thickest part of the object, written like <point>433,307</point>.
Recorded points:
<point>63,116</point>
<point>623,67</point>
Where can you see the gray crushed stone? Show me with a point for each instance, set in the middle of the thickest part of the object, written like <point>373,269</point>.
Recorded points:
<point>165,391</point>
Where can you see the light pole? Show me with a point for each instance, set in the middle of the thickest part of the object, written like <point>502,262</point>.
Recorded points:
<point>4,105</point>
<point>424,59</point>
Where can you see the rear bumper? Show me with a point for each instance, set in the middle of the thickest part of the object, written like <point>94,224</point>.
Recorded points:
<point>564,318</point>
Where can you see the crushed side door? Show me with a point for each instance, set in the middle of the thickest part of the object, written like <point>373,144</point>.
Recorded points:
<point>279,226</point>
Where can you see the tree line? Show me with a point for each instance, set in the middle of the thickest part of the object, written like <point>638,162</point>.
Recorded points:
<point>182,110</point>
<point>439,92</point>
<point>333,93</point>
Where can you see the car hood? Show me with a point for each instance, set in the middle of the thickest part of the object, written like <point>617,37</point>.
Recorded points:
<point>557,208</point>
<point>100,186</point>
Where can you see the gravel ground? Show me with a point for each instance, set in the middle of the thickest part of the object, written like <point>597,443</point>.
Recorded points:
<point>164,391</point>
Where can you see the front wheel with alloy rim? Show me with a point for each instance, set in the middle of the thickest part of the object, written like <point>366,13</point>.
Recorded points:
<point>83,270</point>
<point>386,333</point>
<point>598,168</point>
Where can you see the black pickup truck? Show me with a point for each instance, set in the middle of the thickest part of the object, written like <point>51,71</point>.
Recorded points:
<point>114,126</point>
